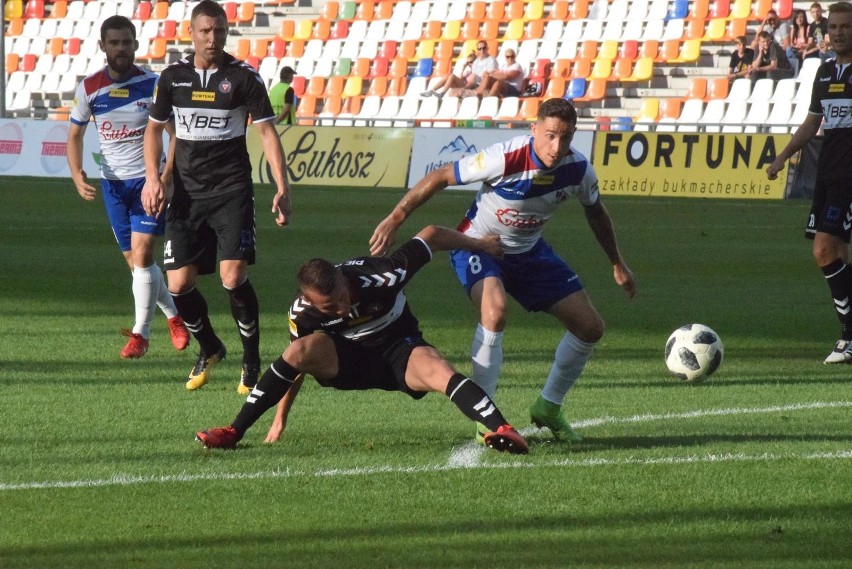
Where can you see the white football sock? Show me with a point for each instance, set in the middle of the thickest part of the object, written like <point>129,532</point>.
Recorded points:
<point>164,297</point>
<point>486,354</point>
<point>571,357</point>
<point>145,289</point>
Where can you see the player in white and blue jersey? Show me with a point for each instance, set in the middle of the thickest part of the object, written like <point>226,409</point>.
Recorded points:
<point>117,98</point>
<point>524,180</point>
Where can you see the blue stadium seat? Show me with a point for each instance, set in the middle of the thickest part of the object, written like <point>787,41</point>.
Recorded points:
<point>423,68</point>
<point>576,88</point>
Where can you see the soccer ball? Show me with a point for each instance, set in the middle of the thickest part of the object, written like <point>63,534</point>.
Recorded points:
<point>693,352</point>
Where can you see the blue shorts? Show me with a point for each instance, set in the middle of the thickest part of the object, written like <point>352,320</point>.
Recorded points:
<point>123,202</point>
<point>537,279</point>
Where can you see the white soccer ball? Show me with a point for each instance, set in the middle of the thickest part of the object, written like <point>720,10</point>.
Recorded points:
<point>693,352</point>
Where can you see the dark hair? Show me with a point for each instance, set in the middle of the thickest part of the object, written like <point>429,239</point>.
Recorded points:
<point>117,23</point>
<point>840,8</point>
<point>210,9</point>
<point>286,71</point>
<point>318,275</point>
<point>558,108</point>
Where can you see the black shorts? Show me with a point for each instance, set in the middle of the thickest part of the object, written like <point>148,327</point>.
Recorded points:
<point>364,367</point>
<point>198,231</point>
<point>831,211</point>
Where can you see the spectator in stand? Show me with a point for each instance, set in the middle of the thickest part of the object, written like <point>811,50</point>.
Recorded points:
<point>283,97</point>
<point>482,64</point>
<point>741,59</point>
<point>780,31</point>
<point>798,39</point>
<point>817,33</point>
<point>769,60</point>
<point>507,81</point>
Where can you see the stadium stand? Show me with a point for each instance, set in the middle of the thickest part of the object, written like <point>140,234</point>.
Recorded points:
<point>660,63</point>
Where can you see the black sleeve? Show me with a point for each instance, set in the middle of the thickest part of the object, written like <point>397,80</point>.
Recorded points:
<point>395,270</point>
<point>161,103</point>
<point>289,96</point>
<point>257,99</point>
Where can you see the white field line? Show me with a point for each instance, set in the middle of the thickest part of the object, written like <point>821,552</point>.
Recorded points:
<point>468,457</point>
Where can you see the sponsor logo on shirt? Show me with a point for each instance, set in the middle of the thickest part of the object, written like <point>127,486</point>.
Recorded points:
<point>109,132</point>
<point>543,179</point>
<point>120,93</point>
<point>208,96</point>
<point>187,84</point>
<point>511,217</point>
<point>836,88</point>
<point>225,86</point>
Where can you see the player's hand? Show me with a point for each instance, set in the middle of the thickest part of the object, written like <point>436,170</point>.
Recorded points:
<point>275,430</point>
<point>153,197</point>
<point>86,191</point>
<point>282,207</point>
<point>624,278</point>
<point>491,245</point>
<point>383,237</point>
<point>773,169</point>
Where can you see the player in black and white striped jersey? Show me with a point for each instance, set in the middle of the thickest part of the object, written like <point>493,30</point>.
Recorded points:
<point>352,329</point>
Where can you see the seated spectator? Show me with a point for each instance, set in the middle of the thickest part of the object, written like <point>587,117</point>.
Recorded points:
<point>780,31</point>
<point>817,33</point>
<point>741,59</point>
<point>769,60</point>
<point>482,64</point>
<point>507,81</point>
<point>798,39</point>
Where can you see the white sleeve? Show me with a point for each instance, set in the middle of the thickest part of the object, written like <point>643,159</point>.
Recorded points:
<point>489,163</point>
<point>80,112</point>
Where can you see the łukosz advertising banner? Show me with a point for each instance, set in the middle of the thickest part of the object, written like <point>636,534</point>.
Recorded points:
<point>341,157</point>
<point>694,165</point>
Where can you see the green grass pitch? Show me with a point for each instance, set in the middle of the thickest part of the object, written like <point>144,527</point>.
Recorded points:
<point>98,467</point>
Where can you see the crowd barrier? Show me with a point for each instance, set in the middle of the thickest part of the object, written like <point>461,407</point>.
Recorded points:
<point>627,163</point>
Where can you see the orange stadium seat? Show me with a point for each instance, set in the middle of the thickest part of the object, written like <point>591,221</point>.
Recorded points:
<point>330,10</point>
<point>720,9</point>
<point>15,27</point>
<point>56,46</point>
<point>529,108</point>
<point>334,87</point>
<point>161,10</point>
<point>697,88</point>
<point>307,108</point>
<point>13,62</point>
<point>555,88</point>
<point>286,29</point>
<point>495,10</point>
<point>579,10</point>
<point>277,47</point>
<point>475,10</point>
<point>59,9</point>
<point>735,29</point>
<point>559,10</point>
<point>669,108</point>
<point>717,88</point>
<point>299,85</point>
<point>514,10</point>
<point>398,68</point>
<point>396,87</point>
<point>316,86</point>
<point>365,10</point>
<point>699,10</point>
<point>378,87</point>
<point>596,90</point>
<point>321,30</point>
<point>534,30</point>
<point>230,10</point>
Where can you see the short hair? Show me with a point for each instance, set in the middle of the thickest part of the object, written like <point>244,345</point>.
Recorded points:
<point>208,8</point>
<point>816,5</point>
<point>840,8</point>
<point>764,35</point>
<point>286,71</point>
<point>319,275</point>
<point>117,23</point>
<point>557,108</point>
<point>741,40</point>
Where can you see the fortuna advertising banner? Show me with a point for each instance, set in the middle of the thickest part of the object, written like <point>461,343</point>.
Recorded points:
<point>691,165</point>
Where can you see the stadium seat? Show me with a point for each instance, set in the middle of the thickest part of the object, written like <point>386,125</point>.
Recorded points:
<point>712,116</point>
<point>735,116</point>
<point>741,9</point>
<point>13,9</point>
<point>509,108</point>
<point>761,90</point>
<point>785,90</point>
<point>740,90</point>
<point>779,117</point>
<point>758,114</point>
<point>595,91</point>
<point>489,107</point>
<point>679,10</point>
<point>717,88</point>
<point>387,111</point>
<point>34,9</point>
<point>784,9</point>
<point>690,113</point>
<point>529,108</point>
<point>576,88</point>
<point>800,112</point>
<point>598,10</point>
<point>658,9</point>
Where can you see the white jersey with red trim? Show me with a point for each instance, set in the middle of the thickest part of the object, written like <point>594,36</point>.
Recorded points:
<point>518,195</point>
<point>120,111</point>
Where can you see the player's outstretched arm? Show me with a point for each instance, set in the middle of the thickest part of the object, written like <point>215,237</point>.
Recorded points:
<point>282,411</point>
<point>601,223</point>
<point>74,154</point>
<point>281,202</point>
<point>384,235</point>
<point>445,239</point>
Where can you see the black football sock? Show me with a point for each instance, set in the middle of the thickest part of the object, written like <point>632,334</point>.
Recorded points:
<point>474,402</point>
<point>244,308</point>
<point>193,309</point>
<point>838,275</point>
<point>270,388</point>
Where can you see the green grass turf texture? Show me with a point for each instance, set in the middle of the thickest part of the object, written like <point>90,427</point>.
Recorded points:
<point>365,479</point>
